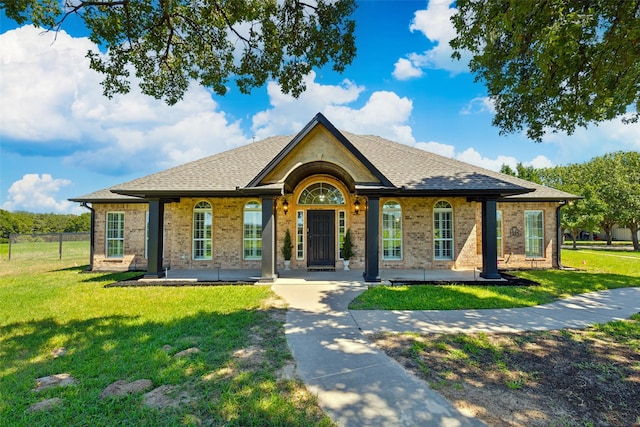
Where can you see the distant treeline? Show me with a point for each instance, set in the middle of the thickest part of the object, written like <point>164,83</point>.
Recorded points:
<point>21,222</point>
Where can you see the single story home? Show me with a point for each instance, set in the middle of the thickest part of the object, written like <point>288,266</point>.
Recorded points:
<point>405,208</point>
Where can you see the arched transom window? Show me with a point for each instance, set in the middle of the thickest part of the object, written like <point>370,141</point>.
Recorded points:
<point>321,193</point>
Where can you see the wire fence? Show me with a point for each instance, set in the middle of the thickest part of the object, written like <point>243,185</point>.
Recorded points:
<point>48,245</point>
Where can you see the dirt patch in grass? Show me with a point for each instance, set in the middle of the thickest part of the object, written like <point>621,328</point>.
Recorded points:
<point>559,378</point>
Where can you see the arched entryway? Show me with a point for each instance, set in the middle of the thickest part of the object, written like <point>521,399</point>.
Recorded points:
<point>323,203</point>
<point>321,211</point>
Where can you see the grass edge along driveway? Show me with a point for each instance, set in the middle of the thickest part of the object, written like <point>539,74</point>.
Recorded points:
<point>598,270</point>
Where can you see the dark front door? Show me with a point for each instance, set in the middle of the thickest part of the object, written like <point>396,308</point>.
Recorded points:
<point>321,239</point>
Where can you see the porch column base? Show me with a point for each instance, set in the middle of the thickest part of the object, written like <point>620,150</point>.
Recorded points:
<point>371,279</point>
<point>490,275</point>
<point>268,279</point>
<point>154,275</point>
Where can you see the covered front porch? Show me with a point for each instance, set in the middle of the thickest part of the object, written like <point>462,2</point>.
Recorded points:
<point>303,276</point>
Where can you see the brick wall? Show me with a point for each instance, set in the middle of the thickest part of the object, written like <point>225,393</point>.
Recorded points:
<point>134,237</point>
<point>514,236</point>
<point>417,234</point>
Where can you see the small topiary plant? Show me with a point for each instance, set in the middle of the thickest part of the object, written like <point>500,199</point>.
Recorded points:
<point>287,246</point>
<point>347,246</point>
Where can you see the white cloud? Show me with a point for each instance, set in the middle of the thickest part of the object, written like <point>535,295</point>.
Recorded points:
<point>445,150</point>
<point>606,137</point>
<point>288,115</point>
<point>435,23</point>
<point>480,104</point>
<point>405,70</point>
<point>37,193</point>
<point>540,162</point>
<point>472,156</point>
<point>384,113</point>
<point>53,105</point>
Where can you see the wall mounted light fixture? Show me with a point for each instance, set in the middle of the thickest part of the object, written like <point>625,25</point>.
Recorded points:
<point>356,206</point>
<point>285,207</point>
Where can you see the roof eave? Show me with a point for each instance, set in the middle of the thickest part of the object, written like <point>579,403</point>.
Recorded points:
<point>107,200</point>
<point>540,199</point>
<point>441,192</point>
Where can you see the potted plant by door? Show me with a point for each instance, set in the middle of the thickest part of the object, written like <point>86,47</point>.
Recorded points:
<point>347,249</point>
<point>286,250</point>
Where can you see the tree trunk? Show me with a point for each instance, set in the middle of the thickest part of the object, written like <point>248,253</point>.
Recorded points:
<point>608,231</point>
<point>634,236</point>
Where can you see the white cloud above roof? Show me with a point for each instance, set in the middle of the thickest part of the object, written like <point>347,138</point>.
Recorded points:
<point>480,104</point>
<point>435,23</point>
<point>404,69</point>
<point>71,117</point>
<point>37,193</point>
<point>608,136</point>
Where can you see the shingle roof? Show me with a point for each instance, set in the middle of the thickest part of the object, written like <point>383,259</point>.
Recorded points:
<point>409,170</point>
<point>422,170</point>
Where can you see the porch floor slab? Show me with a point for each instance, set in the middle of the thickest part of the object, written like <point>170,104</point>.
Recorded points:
<point>300,276</point>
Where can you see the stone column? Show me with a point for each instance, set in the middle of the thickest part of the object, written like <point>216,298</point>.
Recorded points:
<point>489,240</point>
<point>156,233</point>
<point>372,240</point>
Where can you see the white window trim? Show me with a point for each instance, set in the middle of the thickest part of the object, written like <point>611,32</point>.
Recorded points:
<point>300,235</point>
<point>342,230</point>
<point>442,239</point>
<point>111,239</point>
<point>146,235</point>
<point>204,239</point>
<point>500,238</point>
<point>399,210</point>
<point>244,239</point>
<point>527,237</point>
<point>320,186</point>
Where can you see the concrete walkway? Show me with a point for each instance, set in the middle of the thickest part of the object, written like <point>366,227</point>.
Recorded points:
<point>358,385</point>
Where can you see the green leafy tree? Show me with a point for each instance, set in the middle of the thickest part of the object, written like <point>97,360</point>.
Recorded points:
<point>618,182</point>
<point>527,172</point>
<point>524,172</point>
<point>581,215</point>
<point>507,170</point>
<point>553,64</point>
<point>78,224</point>
<point>169,43</point>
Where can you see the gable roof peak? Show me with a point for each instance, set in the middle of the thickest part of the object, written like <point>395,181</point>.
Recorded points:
<point>319,120</point>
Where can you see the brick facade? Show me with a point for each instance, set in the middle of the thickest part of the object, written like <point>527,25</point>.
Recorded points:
<point>417,233</point>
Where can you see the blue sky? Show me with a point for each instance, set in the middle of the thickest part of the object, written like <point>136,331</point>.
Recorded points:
<point>60,138</point>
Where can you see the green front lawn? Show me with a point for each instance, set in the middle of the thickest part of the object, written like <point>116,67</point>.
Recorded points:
<point>112,334</point>
<point>599,270</point>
